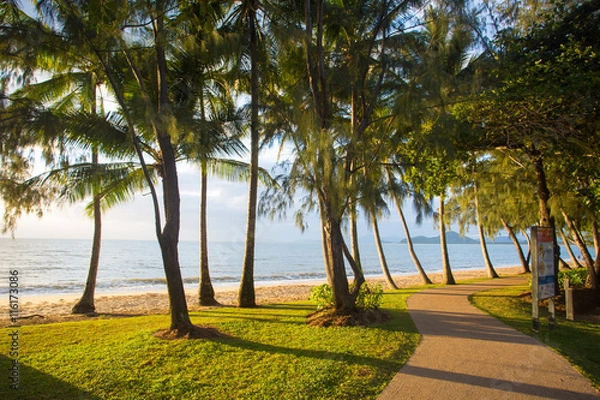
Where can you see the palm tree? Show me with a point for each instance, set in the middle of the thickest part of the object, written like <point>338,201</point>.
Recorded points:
<point>486,257</point>
<point>437,84</point>
<point>398,192</point>
<point>467,201</point>
<point>148,110</point>
<point>244,18</point>
<point>72,86</point>
<point>204,102</point>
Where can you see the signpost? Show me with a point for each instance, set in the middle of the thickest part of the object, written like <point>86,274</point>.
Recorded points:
<point>544,283</point>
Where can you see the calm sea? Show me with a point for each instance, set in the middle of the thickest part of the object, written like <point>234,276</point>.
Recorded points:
<point>60,266</point>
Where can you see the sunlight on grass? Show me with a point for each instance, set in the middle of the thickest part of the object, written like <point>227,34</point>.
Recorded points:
<point>271,353</point>
<point>576,341</point>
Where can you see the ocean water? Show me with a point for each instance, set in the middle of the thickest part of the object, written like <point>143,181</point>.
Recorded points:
<point>47,266</point>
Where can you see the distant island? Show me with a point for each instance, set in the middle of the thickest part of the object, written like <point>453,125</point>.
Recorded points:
<point>455,238</point>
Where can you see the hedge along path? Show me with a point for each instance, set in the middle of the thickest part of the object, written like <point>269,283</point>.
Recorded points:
<point>467,354</point>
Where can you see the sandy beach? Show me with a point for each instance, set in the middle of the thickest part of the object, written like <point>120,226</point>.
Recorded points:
<point>57,307</point>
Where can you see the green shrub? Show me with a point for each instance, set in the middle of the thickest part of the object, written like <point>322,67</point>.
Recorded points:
<point>369,296</point>
<point>577,277</point>
<point>322,295</point>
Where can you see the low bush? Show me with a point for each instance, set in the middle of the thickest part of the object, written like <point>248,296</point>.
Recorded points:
<point>577,277</point>
<point>369,297</point>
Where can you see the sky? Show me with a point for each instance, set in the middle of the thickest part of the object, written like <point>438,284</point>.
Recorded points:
<point>227,210</point>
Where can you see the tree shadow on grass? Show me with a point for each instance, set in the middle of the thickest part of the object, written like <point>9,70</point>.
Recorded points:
<point>34,384</point>
<point>344,357</point>
<point>282,314</point>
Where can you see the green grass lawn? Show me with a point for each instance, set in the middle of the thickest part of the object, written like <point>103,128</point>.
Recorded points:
<point>271,354</point>
<point>579,342</point>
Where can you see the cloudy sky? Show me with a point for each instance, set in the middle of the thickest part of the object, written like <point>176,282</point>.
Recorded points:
<point>227,208</point>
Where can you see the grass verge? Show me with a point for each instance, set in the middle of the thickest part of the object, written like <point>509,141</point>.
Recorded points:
<point>271,354</point>
<point>577,341</point>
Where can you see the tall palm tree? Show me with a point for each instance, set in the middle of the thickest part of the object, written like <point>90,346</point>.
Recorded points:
<point>246,17</point>
<point>204,101</point>
<point>148,110</point>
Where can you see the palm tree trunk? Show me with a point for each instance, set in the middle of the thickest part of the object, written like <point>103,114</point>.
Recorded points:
<point>381,254</point>
<point>354,238</point>
<point>515,240</point>
<point>411,248</point>
<point>569,249</point>
<point>491,272</point>
<point>169,238</point>
<point>589,262</point>
<point>447,277</point>
<point>247,297</point>
<point>334,263</point>
<point>206,292</point>
<point>524,231</point>
<point>86,305</point>
<point>596,235</point>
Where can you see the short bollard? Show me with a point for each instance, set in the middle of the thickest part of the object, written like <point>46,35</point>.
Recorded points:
<point>569,300</point>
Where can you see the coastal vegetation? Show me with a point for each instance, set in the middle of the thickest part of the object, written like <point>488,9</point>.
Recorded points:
<point>490,107</point>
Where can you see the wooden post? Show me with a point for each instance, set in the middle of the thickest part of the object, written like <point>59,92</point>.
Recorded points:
<point>535,305</point>
<point>569,300</point>
<point>551,314</point>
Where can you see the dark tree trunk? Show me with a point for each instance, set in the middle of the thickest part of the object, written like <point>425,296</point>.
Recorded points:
<point>168,239</point>
<point>247,297</point>
<point>491,272</point>
<point>86,305</point>
<point>515,240</point>
<point>569,249</point>
<point>447,278</point>
<point>334,263</point>
<point>359,278</point>
<point>384,266</point>
<point>206,292</point>
<point>354,238</point>
<point>596,235</point>
<point>543,191</point>
<point>587,257</point>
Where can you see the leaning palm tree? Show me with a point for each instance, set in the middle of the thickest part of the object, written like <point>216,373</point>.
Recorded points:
<point>67,101</point>
<point>399,192</point>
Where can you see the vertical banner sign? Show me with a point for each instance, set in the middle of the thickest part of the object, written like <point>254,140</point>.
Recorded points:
<point>543,276</point>
<point>546,281</point>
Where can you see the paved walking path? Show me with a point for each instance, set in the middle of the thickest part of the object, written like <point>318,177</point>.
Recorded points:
<point>466,354</point>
